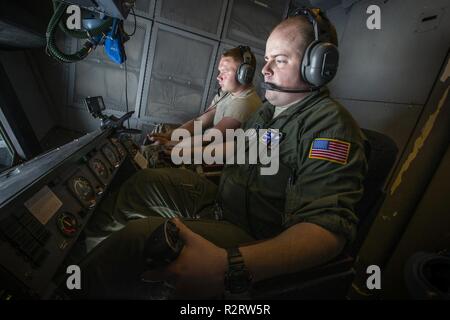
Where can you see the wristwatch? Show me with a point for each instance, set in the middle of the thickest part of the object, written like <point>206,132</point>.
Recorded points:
<point>237,278</point>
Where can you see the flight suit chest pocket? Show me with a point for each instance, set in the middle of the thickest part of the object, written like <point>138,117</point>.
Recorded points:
<point>274,186</point>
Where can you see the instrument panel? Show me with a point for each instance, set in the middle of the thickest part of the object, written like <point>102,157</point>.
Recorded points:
<point>119,147</point>
<point>83,189</point>
<point>100,169</point>
<point>68,224</point>
<point>40,223</point>
<point>111,155</point>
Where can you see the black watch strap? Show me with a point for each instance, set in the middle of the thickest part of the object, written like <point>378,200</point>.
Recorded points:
<point>237,278</point>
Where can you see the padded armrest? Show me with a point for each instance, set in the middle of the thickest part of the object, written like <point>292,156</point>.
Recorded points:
<point>329,280</point>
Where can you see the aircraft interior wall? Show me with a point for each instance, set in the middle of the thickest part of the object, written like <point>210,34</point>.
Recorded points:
<point>29,90</point>
<point>386,95</point>
<point>426,231</point>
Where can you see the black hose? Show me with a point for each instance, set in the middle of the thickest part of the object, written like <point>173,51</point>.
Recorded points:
<point>54,51</point>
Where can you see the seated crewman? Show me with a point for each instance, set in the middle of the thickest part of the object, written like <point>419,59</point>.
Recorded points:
<point>302,216</point>
<point>229,109</point>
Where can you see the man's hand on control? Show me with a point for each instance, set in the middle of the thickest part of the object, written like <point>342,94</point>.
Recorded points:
<point>199,270</point>
<point>169,146</point>
<point>158,138</point>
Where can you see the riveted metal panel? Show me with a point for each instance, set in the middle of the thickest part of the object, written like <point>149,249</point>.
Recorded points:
<point>250,22</point>
<point>145,8</point>
<point>97,75</point>
<point>204,17</point>
<point>179,70</point>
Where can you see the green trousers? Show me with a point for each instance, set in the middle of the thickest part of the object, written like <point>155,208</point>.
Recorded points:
<point>156,157</point>
<point>165,192</point>
<point>114,268</point>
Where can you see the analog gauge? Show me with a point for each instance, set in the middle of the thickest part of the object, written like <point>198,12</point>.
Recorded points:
<point>67,223</point>
<point>131,147</point>
<point>119,148</point>
<point>134,149</point>
<point>84,190</point>
<point>100,169</point>
<point>109,153</point>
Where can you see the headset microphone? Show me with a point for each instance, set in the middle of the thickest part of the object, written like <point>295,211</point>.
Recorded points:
<point>273,87</point>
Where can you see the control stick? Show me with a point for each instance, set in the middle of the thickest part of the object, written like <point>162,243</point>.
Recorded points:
<point>163,246</point>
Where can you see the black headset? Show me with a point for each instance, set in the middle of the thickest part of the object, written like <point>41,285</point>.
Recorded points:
<point>321,58</point>
<point>245,71</point>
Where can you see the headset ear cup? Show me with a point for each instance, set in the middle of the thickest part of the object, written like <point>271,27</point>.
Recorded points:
<point>240,77</point>
<point>330,62</point>
<point>245,71</point>
<point>322,63</point>
<point>244,74</point>
<point>305,68</point>
<point>239,74</point>
<point>251,73</point>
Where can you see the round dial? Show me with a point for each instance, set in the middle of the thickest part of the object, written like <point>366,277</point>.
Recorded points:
<point>83,189</point>
<point>134,149</point>
<point>109,153</point>
<point>119,147</point>
<point>67,223</point>
<point>100,168</point>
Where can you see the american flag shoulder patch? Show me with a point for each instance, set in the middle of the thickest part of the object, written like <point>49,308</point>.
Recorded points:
<point>330,149</point>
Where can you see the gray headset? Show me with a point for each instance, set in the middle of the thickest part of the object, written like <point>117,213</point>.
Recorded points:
<point>245,71</point>
<point>321,58</point>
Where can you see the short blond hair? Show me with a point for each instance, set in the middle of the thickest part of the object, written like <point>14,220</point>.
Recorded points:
<point>236,54</point>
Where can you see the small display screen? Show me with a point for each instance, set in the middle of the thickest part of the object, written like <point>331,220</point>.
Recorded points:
<point>95,104</point>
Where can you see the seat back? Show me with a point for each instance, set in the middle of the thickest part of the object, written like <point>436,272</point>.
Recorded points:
<point>381,158</point>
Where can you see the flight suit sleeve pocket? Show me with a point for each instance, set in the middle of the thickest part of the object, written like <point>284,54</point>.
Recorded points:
<point>293,197</point>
